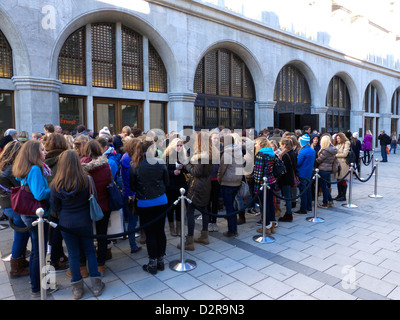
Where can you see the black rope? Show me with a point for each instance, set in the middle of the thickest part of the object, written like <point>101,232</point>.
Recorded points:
<point>367,179</point>
<point>19,229</point>
<point>248,205</point>
<point>337,181</point>
<point>297,196</point>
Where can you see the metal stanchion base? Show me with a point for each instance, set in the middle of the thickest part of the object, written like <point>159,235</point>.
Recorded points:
<point>315,219</point>
<point>261,239</point>
<point>376,196</point>
<point>350,205</point>
<point>178,266</point>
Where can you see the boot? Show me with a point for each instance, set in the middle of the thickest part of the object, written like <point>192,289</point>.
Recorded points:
<point>344,193</point>
<point>160,263</point>
<point>340,191</point>
<point>286,218</point>
<point>84,272</point>
<point>242,218</point>
<point>277,213</point>
<point>189,245</point>
<point>17,268</point>
<point>274,225</point>
<point>172,230</point>
<point>97,286</point>
<point>203,238</point>
<point>151,267</point>
<point>178,228</point>
<point>77,289</point>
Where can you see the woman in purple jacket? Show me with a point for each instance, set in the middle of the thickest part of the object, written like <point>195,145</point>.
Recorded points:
<point>367,146</point>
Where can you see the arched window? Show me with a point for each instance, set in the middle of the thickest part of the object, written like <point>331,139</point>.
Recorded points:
<point>6,67</point>
<point>157,72</point>
<point>338,103</point>
<point>132,60</point>
<point>72,59</point>
<point>225,92</point>
<point>371,99</point>
<point>396,102</point>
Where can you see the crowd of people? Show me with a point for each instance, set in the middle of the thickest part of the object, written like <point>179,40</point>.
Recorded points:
<point>150,168</point>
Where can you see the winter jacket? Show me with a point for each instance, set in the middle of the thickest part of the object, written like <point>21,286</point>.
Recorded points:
<point>263,167</point>
<point>326,157</point>
<point>125,168</point>
<point>343,150</point>
<point>100,171</point>
<point>230,172</point>
<point>367,142</point>
<point>114,160</point>
<point>176,181</point>
<point>148,181</point>
<point>52,161</point>
<point>290,161</point>
<point>72,207</point>
<point>384,139</point>
<point>8,181</point>
<point>199,168</point>
<point>305,162</point>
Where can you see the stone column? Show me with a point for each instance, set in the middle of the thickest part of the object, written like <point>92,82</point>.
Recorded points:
<point>181,110</point>
<point>321,111</point>
<point>385,122</point>
<point>36,102</point>
<point>357,121</point>
<point>264,114</point>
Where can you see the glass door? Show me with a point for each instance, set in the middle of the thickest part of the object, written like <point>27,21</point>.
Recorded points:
<point>115,114</point>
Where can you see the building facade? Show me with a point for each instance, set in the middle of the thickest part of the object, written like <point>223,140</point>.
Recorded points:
<point>185,64</point>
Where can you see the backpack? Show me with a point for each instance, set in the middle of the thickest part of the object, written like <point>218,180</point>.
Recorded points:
<point>279,168</point>
<point>351,157</point>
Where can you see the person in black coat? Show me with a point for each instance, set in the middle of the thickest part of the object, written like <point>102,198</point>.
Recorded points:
<point>356,147</point>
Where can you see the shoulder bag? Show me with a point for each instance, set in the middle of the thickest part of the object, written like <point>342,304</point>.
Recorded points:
<point>279,168</point>
<point>23,202</point>
<point>296,180</point>
<point>96,213</point>
<point>244,190</point>
<point>115,200</point>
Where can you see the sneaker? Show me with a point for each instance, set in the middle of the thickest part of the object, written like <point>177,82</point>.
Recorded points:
<point>215,227</point>
<point>323,205</point>
<point>135,250</point>
<point>48,291</point>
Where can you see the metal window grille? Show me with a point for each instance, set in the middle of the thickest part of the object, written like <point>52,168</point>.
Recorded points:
<point>6,67</point>
<point>72,59</point>
<point>396,102</point>
<point>103,55</point>
<point>157,72</point>
<point>132,59</point>
<point>291,86</point>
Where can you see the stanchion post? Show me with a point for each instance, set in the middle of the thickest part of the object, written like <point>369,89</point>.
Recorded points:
<point>375,194</point>
<point>182,264</point>
<point>349,204</point>
<point>42,255</point>
<point>263,238</point>
<point>315,219</point>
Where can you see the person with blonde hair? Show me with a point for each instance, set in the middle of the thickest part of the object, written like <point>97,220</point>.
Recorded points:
<point>175,156</point>
<point>325,159</point>
<point>343,146</point>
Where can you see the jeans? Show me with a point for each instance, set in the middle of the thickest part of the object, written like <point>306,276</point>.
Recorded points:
<point>156,241</point>
<point>132,222</point>
<point>74,246</point>
<point>383,153</point>
<point>34,267</point>
<point>306,197</point>
<point>190,219</point>
<point>393,146</point>
<point>287,193</point>
<point>101,228</point>
<point>229,194</point>
<point>326,195</point>
<point>20,238</point>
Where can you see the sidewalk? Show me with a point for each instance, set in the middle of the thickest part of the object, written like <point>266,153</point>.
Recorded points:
<point>353,255</point>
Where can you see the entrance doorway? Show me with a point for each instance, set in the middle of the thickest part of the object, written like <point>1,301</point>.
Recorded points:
<point>289,121</point>
<point>115,114</point>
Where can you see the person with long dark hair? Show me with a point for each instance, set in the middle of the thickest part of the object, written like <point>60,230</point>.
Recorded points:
<point>69,198</point>
<point>149,180</point>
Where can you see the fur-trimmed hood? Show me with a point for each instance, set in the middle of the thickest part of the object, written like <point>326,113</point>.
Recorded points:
<point>88,164</point>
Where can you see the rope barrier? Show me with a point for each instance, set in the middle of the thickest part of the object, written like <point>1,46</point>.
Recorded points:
<point>337,181</point>
<point>367,179</point>
<point>18,229</point>
<point>297,196</point>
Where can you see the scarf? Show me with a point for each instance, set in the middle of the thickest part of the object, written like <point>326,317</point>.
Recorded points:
<point>46,170</point>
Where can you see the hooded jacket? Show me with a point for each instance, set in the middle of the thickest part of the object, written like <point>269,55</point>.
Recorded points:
<point>100,171</point>
<point>230,172</point>
<point>72,207</point>
<point>263,167</point>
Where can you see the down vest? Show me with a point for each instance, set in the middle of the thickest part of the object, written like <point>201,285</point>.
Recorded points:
<point>326,157</point>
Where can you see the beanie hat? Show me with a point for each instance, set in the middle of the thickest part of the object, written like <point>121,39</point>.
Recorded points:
<point>355,135</point>
<point>10,132</point>
<point>304,140</point>
<point>105,133</point>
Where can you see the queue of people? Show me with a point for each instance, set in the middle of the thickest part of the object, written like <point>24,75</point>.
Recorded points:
<point>150,168</point>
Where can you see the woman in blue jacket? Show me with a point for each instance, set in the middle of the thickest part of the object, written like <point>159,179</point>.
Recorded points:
<point>29,168</point>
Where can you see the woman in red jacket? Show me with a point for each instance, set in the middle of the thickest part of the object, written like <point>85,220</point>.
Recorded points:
<point>96,165</point>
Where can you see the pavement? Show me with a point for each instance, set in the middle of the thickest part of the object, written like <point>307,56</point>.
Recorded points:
<point>352,255</point>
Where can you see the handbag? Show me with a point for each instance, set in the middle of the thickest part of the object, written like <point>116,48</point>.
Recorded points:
<point>23,202</point>
<point>115,201</point>
<point>387,150</point>
<point>296,180</point>
<point>96,213</point>
<point>244,190</point>
<point>279,168</point>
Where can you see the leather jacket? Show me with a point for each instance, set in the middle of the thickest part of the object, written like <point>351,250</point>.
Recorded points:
<point>148,181</point>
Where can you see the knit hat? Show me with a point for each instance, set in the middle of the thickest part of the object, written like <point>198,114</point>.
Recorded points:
<point>304,140</point>
<point>355,135</point>
<point>105,133</point>
<point>10,132</point>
